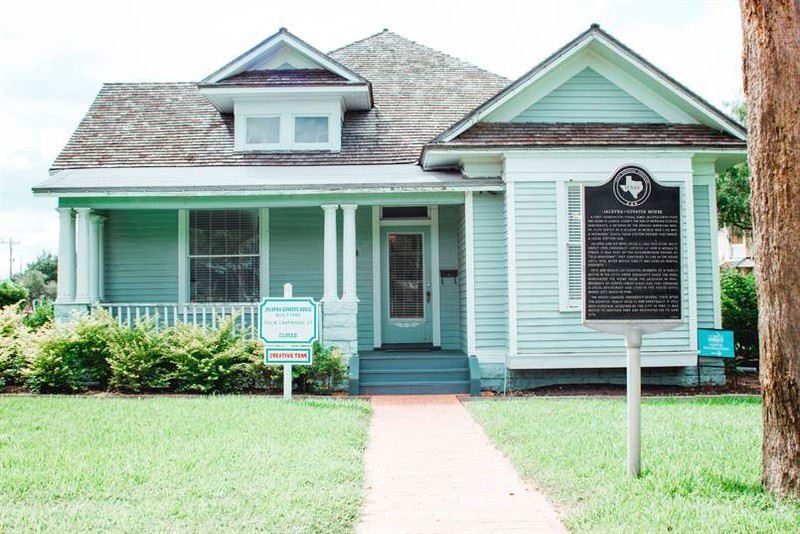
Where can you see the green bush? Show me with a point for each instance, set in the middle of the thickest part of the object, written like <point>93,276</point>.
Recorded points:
<point>740,312</point>
<point>75,356</point>
<point>41,316</point>
<point>139,359</point>
<point>326,373</point>
<point>11,293</point>
<point>16,343</point>
<point>209,360</point>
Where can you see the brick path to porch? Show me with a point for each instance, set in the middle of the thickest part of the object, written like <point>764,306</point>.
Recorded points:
<point>431,469</point>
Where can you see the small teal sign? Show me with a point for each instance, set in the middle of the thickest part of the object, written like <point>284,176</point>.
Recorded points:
<point>715,343</point>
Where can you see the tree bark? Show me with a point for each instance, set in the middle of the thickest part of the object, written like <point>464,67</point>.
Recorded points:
<point>771,63</point>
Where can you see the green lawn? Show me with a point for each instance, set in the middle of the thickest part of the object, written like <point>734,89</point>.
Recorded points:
<point>701,462</point>
<point>204,464</point>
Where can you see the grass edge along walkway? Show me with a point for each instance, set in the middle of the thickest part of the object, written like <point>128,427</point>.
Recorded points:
<point>202,464</point>
<point>701,460</point>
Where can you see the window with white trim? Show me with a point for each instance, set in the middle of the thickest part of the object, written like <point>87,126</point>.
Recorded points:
<point>572,261</point>
<point>311,130</point>
<point>223,256</point>
<point>262,132</point>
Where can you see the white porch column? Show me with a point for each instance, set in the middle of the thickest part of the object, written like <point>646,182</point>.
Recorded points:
<point>349,252</point>
<point>331,275</point>
<point>94,257</point>
<point>66,256</point>
<point>83,257</point>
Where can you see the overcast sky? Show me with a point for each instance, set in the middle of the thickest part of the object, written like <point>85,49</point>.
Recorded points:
<point>53,59</point>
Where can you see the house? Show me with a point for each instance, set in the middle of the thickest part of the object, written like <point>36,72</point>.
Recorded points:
<point>735,249</point>
<point>427,203</point>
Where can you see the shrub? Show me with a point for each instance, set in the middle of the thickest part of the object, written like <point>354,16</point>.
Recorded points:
<point>41,316</point>
<point>74,356</point>
<point>139,360</point>
<point>17,342</point>
<point>326,373</point>
<point>11,293</point>
<point>209,360</point>
<point>740,311</point>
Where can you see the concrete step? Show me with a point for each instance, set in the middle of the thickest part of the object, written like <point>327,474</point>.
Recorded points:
<point>384,376</point>
<point>417,388</point>
<point>428,361</point>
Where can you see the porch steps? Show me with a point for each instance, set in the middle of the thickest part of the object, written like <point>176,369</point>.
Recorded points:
<point>410,373</point>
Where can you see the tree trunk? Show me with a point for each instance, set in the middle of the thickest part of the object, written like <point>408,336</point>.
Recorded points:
<point>771,57</point>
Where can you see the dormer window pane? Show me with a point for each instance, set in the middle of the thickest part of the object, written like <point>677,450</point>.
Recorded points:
<point>263,130</point>
<point>311,129</point>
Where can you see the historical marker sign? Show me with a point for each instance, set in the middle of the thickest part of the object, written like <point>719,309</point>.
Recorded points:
<point>288,321</point>
<point>631,249</point>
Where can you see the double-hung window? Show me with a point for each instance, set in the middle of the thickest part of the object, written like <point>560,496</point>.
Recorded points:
<point>223,256</point>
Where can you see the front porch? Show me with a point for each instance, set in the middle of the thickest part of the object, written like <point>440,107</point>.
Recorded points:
<point>386,272</point>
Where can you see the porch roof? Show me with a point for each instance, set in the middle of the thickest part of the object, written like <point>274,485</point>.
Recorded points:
<point>199,181</point>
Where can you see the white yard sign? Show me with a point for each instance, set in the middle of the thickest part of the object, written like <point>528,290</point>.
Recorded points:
<point>288,327</point>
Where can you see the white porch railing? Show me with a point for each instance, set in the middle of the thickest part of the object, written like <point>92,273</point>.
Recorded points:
<point>167,314</point>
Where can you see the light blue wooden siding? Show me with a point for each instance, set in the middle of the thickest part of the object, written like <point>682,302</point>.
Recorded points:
<point>491,273</point>
<point>141,256</point>
<point>705,262</point>
<point>462,279</point>
<point>296,255</point>
<point>366,323</point>
<point>588,97</point>
<point>541,327</point>
<point>449,287</point>
<point>295,251</point>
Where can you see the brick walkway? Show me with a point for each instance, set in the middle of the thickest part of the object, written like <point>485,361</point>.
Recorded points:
<point>430,468</point>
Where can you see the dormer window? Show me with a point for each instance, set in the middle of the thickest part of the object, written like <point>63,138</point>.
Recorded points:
<point>262,132</point>
<point>311,130</point>
<point>286,96</point>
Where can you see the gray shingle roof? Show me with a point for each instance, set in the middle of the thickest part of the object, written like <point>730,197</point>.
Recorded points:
<point>418,93</point>
<point>538,135</point>
<point>280,78</point>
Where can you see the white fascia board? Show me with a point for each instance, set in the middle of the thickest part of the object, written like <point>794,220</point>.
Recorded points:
<point>445,158</point>
<point>353,97</point>
<point>282,37</point>
<point>208,181</point>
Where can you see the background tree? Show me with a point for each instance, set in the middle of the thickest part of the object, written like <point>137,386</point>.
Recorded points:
<point>733,186</point>
<point>40,277</point>
<point>771,57</point>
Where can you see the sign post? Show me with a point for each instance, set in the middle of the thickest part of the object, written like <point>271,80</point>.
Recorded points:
<point>288,327</point>
<point>632,272</point>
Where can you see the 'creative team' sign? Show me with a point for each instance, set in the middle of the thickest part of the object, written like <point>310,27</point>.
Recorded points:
<point>715,343</point>
<point>288,327</point>
<point>631,249</point>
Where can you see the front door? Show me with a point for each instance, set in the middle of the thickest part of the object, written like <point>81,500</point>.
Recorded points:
<point>406,284</point>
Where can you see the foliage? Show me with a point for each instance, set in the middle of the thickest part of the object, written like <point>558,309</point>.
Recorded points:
<point>45,263</point>
<point>326,373</point>
<point>16,342</point>
<point>733,186</point>
<point>93,351</point>
<point>209,360</point>
<point>139,359</point>
<point>740,311</point>
<point>701,459</point>
<point>37,285</point>
<point>75,356</point>
<point>41,316</point>
<point>11,293</point>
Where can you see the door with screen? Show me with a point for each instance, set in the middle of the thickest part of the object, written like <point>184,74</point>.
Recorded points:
<point>406,288</point>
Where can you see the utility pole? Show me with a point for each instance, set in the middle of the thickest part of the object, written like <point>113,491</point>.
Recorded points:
<point>10,242</point>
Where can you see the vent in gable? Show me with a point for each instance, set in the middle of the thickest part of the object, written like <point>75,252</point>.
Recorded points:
<point>589,97</point>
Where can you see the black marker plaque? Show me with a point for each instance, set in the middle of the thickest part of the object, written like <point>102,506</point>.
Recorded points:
<point>631,249</point>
